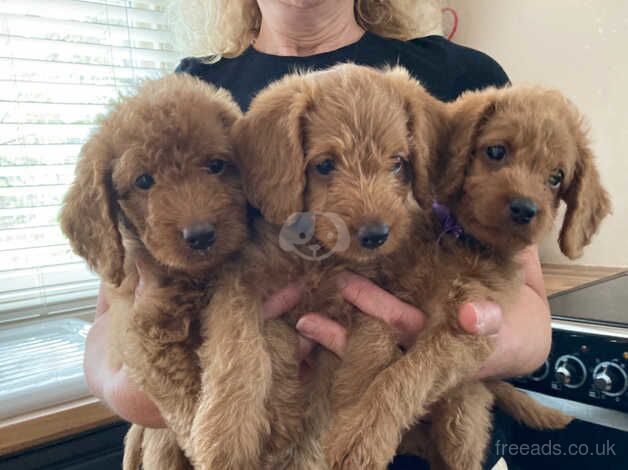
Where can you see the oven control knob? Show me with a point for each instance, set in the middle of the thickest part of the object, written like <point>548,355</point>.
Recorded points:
<point>610,379</point>
<point>570,371</point>
<point>541,373</point>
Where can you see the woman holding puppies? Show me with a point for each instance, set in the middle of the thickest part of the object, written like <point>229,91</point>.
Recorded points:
<point>260,42</point>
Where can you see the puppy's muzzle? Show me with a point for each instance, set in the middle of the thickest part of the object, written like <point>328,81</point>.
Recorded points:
<point>199,236</point>
<point>522,210</point>
<point>373,234</point>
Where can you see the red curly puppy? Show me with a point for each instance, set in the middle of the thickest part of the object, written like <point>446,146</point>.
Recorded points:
<point>347,151</point>
<point>156,186</point>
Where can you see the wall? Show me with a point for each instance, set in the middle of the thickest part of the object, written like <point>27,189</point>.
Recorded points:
<point>580,47</point>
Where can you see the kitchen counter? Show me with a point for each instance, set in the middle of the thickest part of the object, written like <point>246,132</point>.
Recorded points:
<point>560,277</point>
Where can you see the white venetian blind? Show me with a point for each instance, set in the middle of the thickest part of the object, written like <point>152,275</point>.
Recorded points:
<point>61,63</point>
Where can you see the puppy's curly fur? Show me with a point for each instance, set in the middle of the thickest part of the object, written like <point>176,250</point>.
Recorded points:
<point>524,143</point>
<point>156,174</point>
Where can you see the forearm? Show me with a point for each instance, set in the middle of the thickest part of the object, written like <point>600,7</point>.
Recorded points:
<point>113,386</point>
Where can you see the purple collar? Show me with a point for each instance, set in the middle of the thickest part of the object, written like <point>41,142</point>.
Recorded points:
<point>449,225</point>
<point>448,222</point>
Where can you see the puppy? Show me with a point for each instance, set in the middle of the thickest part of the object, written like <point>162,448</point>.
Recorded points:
<point>156,187</point>
<point>337,158</point>
<point>513,155</point>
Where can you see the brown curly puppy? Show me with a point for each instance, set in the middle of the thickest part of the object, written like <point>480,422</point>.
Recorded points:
<point>156,187</point>
<point>347,150</point>
<point>514,153</point>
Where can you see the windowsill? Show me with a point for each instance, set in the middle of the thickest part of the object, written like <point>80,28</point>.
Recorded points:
<point>31,429</point>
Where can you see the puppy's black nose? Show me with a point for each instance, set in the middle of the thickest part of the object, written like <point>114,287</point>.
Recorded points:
<point>373,234</point>
<point>522,210</point>
<point>199,236</point>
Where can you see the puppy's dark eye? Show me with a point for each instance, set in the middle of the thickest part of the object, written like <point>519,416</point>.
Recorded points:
<point>216,166</point>
<point>326,166</point>
<point>144,181</point>
<point>557,178</point>
<point>496,152</point>
<point>398,163</point>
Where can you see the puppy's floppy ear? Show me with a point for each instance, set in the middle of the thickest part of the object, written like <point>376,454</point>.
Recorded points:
<point>587,201</point>
<point>269,143</point>
<point>427,128</point>
<point>88,217</point>
<point>229,111</point>
<point>467,115</point>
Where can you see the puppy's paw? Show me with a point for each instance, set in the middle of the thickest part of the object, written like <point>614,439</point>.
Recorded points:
<point>357,445</point>
<point>350,453</point>
<point>223,451</point>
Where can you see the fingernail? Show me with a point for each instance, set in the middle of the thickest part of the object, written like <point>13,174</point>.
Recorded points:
<point>487,317</point>
<point>479,318</point>
<point>305,326</point>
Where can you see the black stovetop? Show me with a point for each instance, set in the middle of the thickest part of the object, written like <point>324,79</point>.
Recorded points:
<point>604,301</point>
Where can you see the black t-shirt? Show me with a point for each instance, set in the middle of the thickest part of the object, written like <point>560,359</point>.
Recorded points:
<point>444,68</point>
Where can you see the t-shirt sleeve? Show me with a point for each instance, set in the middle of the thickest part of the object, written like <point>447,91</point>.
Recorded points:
<point>448,69</point>
<point>482,71</point>
<point>475,70</point>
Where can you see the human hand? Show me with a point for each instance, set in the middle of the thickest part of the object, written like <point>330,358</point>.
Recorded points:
<point>524,338</point>
<point>481,318</point>
<point>522,335</point>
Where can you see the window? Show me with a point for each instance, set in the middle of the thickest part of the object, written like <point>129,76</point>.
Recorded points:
<point>61,63</point>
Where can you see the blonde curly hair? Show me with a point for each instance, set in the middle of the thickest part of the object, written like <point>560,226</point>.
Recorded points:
<point>227,27</point>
